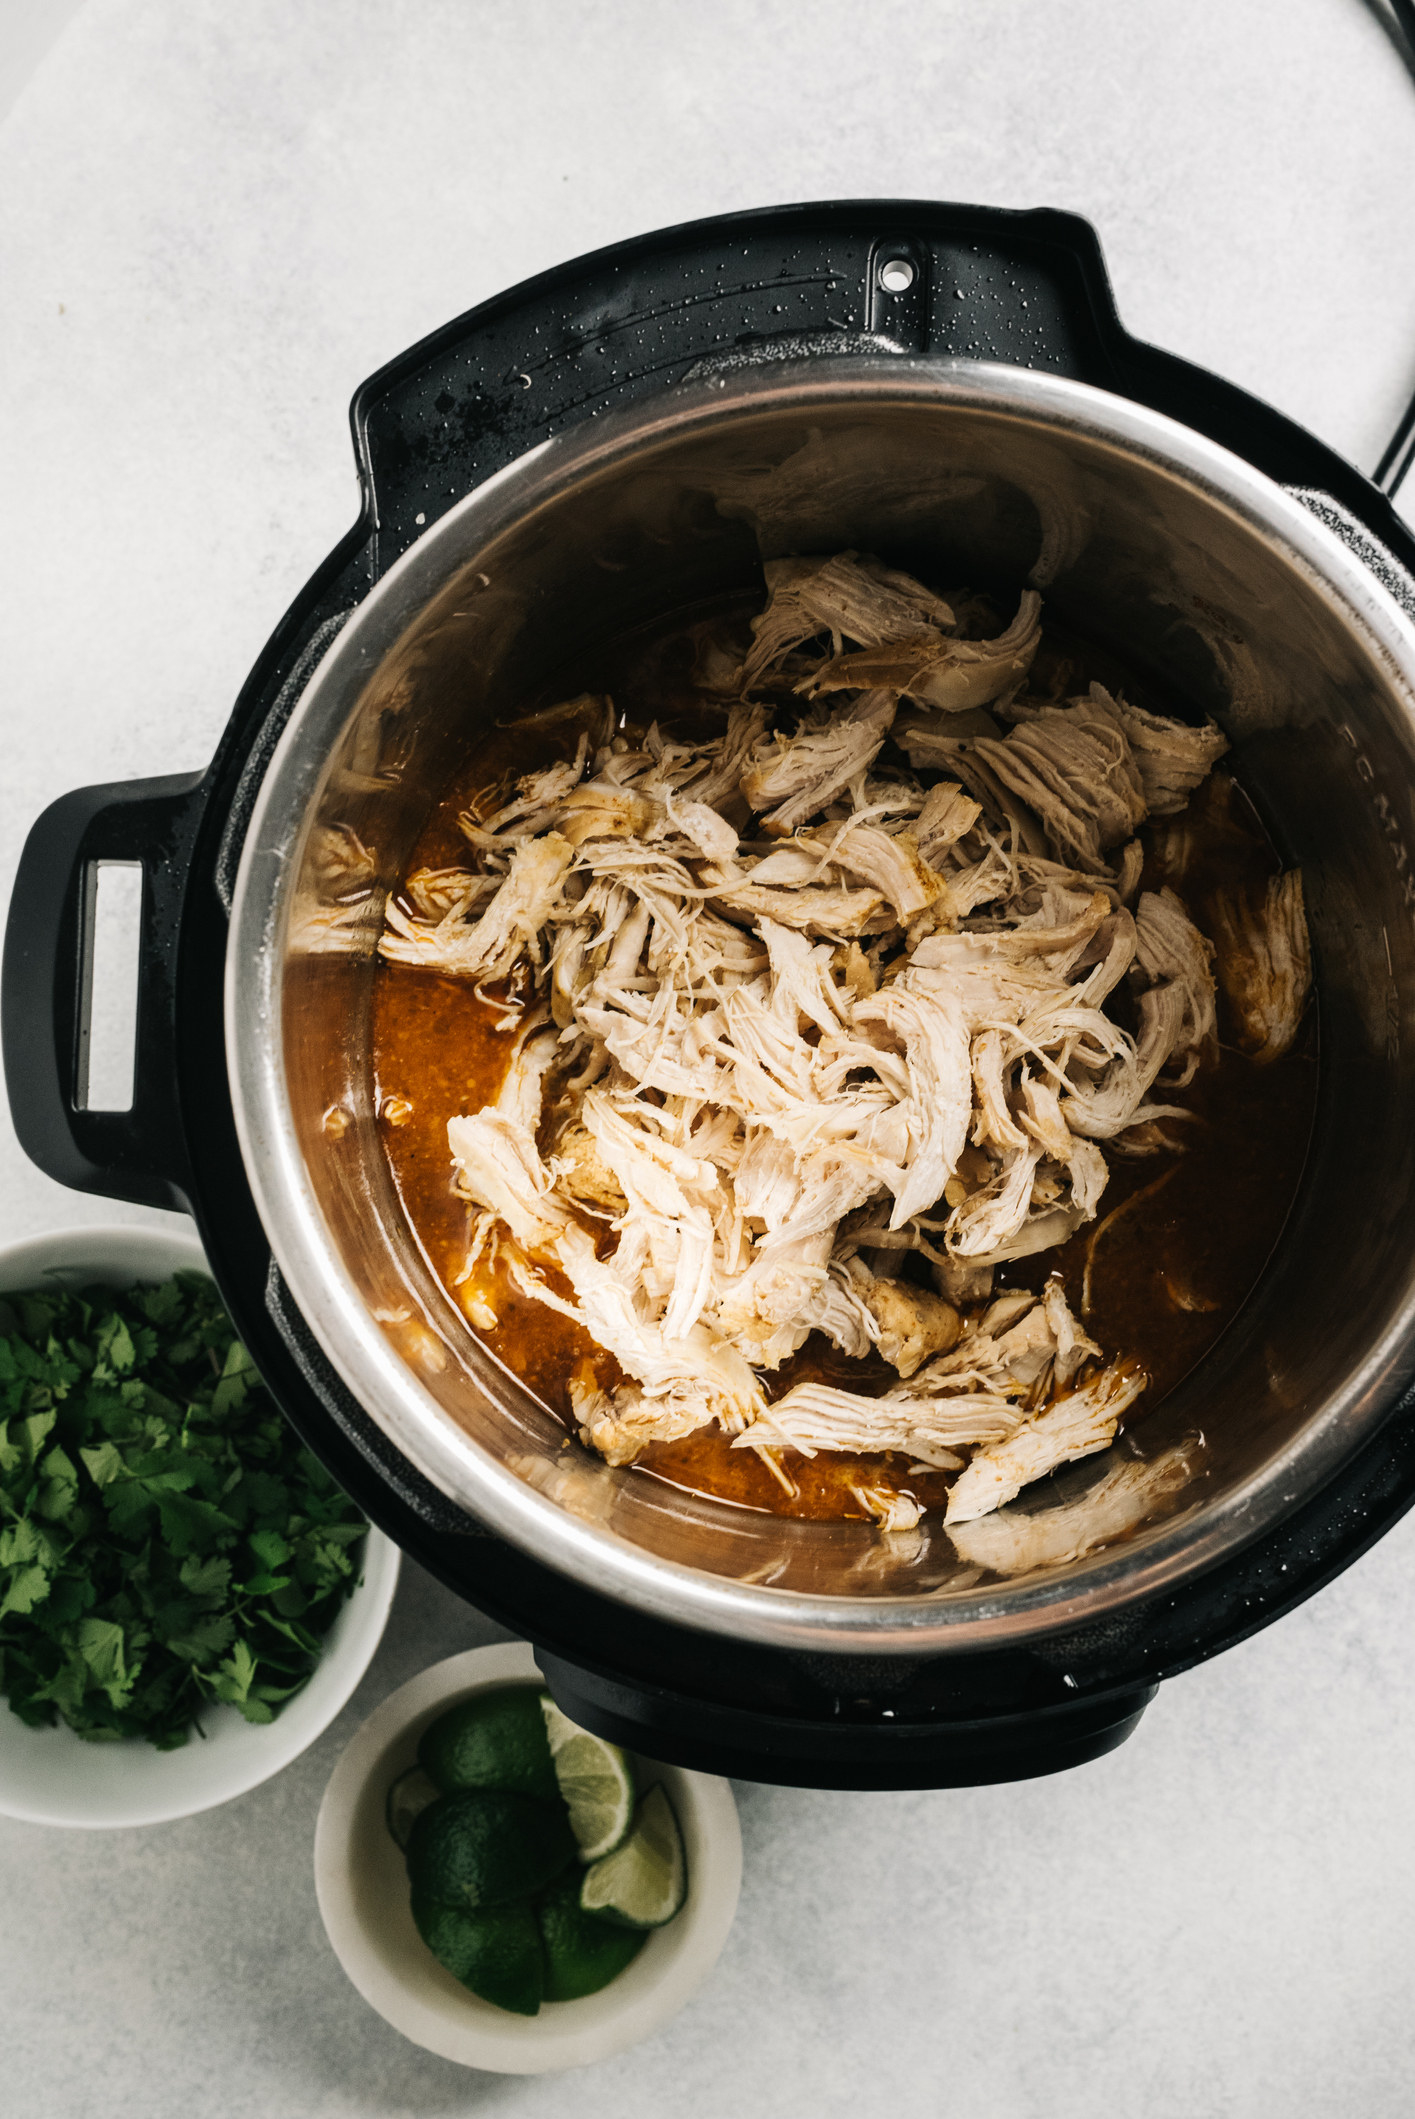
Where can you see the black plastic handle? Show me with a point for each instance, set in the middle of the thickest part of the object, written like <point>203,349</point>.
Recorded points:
<point>139,1154</point>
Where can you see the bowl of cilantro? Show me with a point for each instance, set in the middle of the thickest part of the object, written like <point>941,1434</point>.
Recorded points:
<point>186,1597</point>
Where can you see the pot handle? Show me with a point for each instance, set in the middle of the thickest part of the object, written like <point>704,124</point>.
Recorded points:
<point>46,981</point>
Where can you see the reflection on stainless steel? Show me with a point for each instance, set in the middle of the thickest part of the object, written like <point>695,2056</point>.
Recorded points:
<point>1156,543</point>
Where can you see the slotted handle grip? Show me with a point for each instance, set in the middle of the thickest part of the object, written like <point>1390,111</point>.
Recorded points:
<point>138,1154</point>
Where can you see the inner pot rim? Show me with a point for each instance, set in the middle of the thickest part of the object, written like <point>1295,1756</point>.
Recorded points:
<point>1154,1561</point>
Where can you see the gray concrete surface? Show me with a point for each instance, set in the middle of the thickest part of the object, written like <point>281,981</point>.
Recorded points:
<point>214,220</point>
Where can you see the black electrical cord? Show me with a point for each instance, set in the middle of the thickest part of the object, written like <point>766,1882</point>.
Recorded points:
<point>1399,456</point>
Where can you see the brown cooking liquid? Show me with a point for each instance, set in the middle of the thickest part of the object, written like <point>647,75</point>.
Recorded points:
<point>1167,1274</point>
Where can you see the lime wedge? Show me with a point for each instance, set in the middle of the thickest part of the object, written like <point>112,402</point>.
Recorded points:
<point>496,1953</point>
<point>595,1779</point>
<point>407,1799</point>
<point>485,1847</point>
<point>582,1952</point>
<point>643,1883</point>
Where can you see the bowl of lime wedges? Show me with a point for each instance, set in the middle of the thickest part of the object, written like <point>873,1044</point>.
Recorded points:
<point>509,1890</point>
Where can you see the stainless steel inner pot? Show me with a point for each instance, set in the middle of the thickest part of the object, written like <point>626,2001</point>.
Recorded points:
<point>1159,544</point>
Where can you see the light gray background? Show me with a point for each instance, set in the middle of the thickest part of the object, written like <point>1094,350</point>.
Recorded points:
<point>216,216</point>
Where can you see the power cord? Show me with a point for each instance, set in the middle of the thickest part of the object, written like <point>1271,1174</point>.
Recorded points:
<point>1390,472</point>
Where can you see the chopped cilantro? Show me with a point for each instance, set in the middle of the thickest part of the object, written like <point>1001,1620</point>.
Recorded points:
<point>165,1539</point>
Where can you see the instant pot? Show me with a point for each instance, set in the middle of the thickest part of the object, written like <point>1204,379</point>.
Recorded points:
<point>631,436</point>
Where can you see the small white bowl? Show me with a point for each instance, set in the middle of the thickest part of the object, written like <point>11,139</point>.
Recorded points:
<point>362,1885</point>
<point>51,1776</point>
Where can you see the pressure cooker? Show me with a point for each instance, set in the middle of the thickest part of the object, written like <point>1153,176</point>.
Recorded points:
<point>631,436</point>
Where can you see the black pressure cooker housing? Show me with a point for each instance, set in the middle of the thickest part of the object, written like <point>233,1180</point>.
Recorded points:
<point>1028,289</point>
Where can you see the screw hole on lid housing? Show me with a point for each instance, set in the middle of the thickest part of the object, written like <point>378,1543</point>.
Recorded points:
<point>896,275</point>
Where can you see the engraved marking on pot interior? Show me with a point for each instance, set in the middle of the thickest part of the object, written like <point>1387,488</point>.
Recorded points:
<point>1389,823</point>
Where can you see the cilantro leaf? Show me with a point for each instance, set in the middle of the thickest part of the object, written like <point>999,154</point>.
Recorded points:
<point>202,1639</point>
<point>103,1464</point>
<point>58,1495</point>
<point>206,1578</point>
<point>19,1542</point>
<point>27,1587</point>
<point>33,1432</point>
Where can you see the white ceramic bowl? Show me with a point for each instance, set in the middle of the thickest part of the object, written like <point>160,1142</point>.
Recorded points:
<point>51,1776</point>
<point>363,1897</point>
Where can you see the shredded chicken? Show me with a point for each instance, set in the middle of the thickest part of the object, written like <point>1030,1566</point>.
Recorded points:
<point>978,1393</point>
<point>1172,758</point>
<point>335,911</point>
<point>1009,1542</point>
<point>953,674</point>
<point>1073,768</point>
<point>1265,963</point>
<point>791,777</point>
<point>891,1510</point>
<point>913,1323</point>
<point>486,948</point>
<point>844,598</point>
<point>1077,1425</point>
<point>782,1014</point>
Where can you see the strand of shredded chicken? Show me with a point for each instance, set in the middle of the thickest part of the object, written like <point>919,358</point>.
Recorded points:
<point>785,1011</point>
